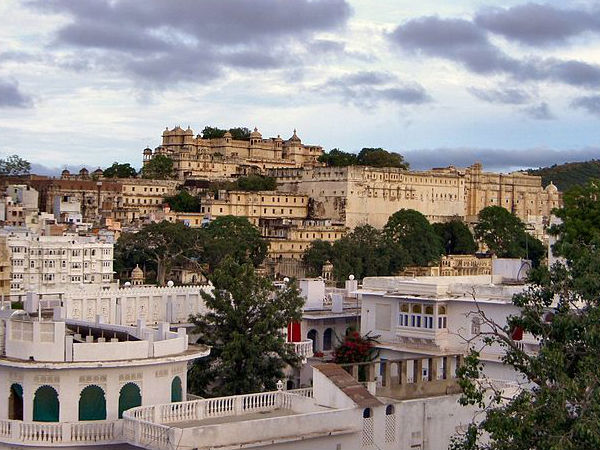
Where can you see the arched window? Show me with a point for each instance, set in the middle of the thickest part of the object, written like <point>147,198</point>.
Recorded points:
<point>176,392</point>
<point>404,307</point>
<point>45,405</point>
<point>313,335</point>
<point>429,310</point>
<point>129,397</point>
<point>367,413</point>
<point>327,338</point>
<point>416,309</point>
<point>442,310</point>
<point>15,402</point>
<point>92,403</point>
<point>389,410</point>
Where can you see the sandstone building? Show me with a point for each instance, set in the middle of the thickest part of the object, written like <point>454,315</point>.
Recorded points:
<point>194,157</point>
<point>358,195</point>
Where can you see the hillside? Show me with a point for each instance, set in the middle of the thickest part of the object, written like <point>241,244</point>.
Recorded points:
<point>565,176</point>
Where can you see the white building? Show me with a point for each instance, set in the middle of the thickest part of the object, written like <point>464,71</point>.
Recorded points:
<point>67,209</point>
<point>435,316</point>
<point>44,264</point>
<point>67,382</point>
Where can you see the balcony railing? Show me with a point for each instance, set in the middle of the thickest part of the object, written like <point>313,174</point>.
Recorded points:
<point>304,349</point>
<point>53,434</point>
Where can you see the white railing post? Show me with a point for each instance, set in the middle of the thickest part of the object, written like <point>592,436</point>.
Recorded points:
<point>15,431</point>
<point>238,405</point>
<point>66,432</point>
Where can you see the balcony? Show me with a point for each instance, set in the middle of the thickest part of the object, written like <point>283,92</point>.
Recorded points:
<point>304,349</point>
<point>48,434</point>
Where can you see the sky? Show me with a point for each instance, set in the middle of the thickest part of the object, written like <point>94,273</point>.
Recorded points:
<point>90,82</point>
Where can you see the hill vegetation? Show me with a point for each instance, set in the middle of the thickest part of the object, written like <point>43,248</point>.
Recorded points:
<point>566,176</point>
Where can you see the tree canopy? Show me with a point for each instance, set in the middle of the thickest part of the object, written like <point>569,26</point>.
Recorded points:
<point>244,329</point>
<point>456,237</point>
<point>14,165</point>
<point>183,201</point>
<point>410,232</point>
<point>374,157</point>
<point>160,167</point>
<point>505,235</point>
<point>561,310</point>
<point>238,133</point>
<point>235,237</point>
<point>119,171</point>
<point>315,257</point>
<point>161,245</point>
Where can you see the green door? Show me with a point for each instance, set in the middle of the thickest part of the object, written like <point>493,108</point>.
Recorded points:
<point>129,397</point>
<point>92,404</point>
<point>45,405</point>
<point>176,390</point>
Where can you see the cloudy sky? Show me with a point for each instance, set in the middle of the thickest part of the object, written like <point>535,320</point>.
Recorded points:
<point>443,82</point>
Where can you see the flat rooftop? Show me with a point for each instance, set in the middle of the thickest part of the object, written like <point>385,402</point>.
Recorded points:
<point>278,412</point>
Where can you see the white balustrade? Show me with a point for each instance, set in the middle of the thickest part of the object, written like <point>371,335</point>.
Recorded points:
<point>40,432</point>
<point>303,392</point>
<point>304,349</point>
<point>5,428</point>
<point>51,434</point>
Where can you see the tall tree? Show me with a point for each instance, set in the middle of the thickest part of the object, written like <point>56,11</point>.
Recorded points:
<point>244,329</point>
<point>162,245</point>
<point>160,167</point>
<point>235,237</point>
<point>338,158</point>
<point>119,171</point>
<point>561,408</point>
<point>315,257</point>
<point>183,201</point>
<point>14,165</point>
<point>456,237</point>
<point>378,157</point>
<point>256,183</point>
<point>410,232</point>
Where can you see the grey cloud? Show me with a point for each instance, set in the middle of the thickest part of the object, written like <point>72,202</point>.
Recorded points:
<point>497,159</point>
<point>591,104</point>
<point>538,24</point>
<point>326,46</point>
<point>463,42</point>
<point>12,97</point>
<point>539,112</point>
<point>505,95</point>
<point>134,36</point>
<point>369,88</point>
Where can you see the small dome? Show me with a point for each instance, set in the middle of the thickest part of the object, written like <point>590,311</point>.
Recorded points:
<point>189,131</point>
<point>166,132</point>
<point>137,273</point>
<point>295,137</point>
<point>255,134</point>
<point>178,130</point>
<point>83,171</point>
<point>227,135</point>
<point>98,171</point>
<point>551,188</point>
<point>65,173</point>
<point>278,139</point>
<point>147,151</point>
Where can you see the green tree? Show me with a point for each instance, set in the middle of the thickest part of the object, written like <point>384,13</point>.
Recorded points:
<point>161,246</point>
<point>119,171</point>
<point>235,237</point>
<point>240,133</point>
<point>160,167</point>
<point>315,256</point>
<point>456,237</point>
<point>14,165</point>
<point>378,157</point>
<point>410,233</point>
<point>338,158</point>
<point>183,201</point>
<point>212,133</point>
<point>255,183</point>
<point>505,235</point>
<point>560,309</point>
<point>244,330</point>
<point>364,252</point>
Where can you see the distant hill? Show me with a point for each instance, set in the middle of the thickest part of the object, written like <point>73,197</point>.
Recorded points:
<point>567,175</point>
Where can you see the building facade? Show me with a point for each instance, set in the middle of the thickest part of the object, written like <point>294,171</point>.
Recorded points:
<point>194,157</point>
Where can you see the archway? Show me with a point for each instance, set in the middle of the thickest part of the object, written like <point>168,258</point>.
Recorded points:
<point>176,394</point>
<point>92,403</point>
<point>129,397</point>
<point>46,407</point>
<point>327,339</point>
<point>15,402</point>
<point>313,335</point>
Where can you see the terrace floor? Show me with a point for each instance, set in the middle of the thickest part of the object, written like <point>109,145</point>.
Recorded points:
<point>279,412</point>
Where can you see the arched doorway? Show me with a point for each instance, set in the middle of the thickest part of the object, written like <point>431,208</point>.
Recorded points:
<point>129,397</point>
<point>15,402</point>
<point>327,339</point>
<point>312,334</point>
<point>45,405</point>
<point>92,403</point>
<point>176,394</point>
